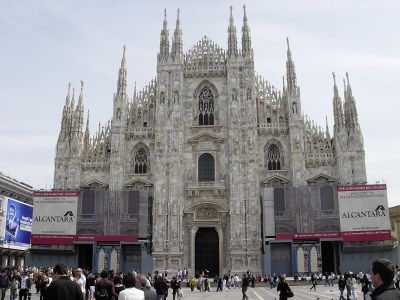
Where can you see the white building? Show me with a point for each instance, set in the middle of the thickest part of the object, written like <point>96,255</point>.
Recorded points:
<point>202,139</point>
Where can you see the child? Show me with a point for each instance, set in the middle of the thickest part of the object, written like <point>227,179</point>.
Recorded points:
<point>13,289</point>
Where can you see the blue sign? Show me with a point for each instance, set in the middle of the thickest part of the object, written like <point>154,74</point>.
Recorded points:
<point>18,223</point>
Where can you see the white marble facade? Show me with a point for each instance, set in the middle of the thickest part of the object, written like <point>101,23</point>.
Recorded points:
<point>256,135</point>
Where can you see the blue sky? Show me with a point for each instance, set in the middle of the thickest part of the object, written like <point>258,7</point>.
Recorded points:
<point>47,44</point>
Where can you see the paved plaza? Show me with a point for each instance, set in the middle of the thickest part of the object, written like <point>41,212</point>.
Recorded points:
<point>259,293</point>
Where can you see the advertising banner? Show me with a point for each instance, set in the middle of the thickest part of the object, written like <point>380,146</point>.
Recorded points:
<point>54,217</point>
<point>17,224</point>
<point>364,212</point>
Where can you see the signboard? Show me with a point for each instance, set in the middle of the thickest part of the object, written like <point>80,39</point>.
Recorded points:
<point>311,235</point>
<point>54,217</point>
<point>364,212</point>
<point>17,224</point>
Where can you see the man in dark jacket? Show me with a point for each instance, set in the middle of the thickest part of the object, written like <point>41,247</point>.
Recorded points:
<point>382,273</point>
<point>4,283</point>
<point>63,288</point>
<point>161,287</point>
<point>106,284</point>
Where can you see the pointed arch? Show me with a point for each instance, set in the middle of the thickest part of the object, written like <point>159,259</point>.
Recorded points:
<point>140,159</point>
<point>206,95</point>
<point>274,155</point>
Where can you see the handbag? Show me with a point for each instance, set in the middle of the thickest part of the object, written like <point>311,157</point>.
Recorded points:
<point>289,293</point>
<point>180,293</point>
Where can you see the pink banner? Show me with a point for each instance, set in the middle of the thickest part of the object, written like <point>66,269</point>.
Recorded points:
<point>48,239</point>
<point>347,236</point>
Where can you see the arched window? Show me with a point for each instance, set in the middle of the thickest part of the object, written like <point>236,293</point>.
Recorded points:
<point>206,107</point>
<point>206,167</point>
<point>273,158</point>
<point>141,161</point>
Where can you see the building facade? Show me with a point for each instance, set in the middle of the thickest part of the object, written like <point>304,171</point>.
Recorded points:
<point>12,189</point>
<point>203,141</point>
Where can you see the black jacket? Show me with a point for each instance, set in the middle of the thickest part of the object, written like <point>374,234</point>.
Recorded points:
<point>4,282</point>
<point>63,289</point>
<point>385,292</point>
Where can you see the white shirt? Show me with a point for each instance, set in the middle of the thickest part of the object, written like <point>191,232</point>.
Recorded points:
<point>131,294</point>
<point>23,282</point>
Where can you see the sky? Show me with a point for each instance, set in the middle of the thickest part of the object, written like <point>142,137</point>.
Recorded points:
<point>47,44</point>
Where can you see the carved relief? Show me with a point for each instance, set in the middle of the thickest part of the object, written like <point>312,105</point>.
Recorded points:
<point>206,213</point>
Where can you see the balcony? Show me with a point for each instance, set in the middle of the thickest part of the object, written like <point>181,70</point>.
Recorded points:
<point>206,188</point>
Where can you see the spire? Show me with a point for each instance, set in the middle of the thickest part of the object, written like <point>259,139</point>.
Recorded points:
<point>73,99</point>
<point>337,106</point>
<point>79,111</point>
<point>65,113</point>
<point>134,93</point>
<point>68,98</point>
<point>176,50</point>
<point>87,135</point>
<point>80,102</point>
<point>232,39</point>
<point>121,87</point>
<point>246,41</point>
<point>327,128</point>
<point>164,39</point>
<point>290,71</point>
<point>351,114</point>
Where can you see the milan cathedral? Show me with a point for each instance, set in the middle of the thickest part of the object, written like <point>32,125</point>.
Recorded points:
<point>202,140</point>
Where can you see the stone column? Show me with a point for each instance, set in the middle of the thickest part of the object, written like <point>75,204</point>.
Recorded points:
<point>4,260</point>
<point>192,249</point>
<point>11,260</point>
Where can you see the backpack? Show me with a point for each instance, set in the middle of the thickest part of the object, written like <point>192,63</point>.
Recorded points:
<point>101,294</point>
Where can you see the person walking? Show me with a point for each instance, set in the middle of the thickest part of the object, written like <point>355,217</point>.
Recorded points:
<point>364,286</point>
<point>4,283</point>
<point>245,285</point>
<point>175,286</point>
<point>313,281</point>
<point>104,288</point>
<point>14,288</point>
<point>342,286</point>
<point>161,287</point>
<point>382,274</point>
<point>143,284</point>
<point>63,288</point>
<point>283,288</point>
<point>24,286</point>
<point>130,292</point>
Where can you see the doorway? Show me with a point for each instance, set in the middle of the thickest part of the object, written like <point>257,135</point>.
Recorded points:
<point>329,254</point>
<point>85,256</point>
<point>207,251</point>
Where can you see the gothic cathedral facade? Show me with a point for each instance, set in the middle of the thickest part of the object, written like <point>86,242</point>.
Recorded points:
<point>203,138</point>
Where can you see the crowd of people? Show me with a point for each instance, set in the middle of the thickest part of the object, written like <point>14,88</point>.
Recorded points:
<point>64,283</point>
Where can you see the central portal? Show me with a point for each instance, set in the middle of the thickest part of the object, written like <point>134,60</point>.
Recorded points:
<point>207,251</point>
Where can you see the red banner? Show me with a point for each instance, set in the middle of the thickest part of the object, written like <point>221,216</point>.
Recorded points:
<point>347,236</point>
<point>372,235</point>
<point>55,193</point>
<point>48,239</point>
<point>303,236</point>
<point>361,187</point>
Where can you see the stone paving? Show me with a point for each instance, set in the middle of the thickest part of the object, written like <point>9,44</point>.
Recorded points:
<point>301,292</point>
